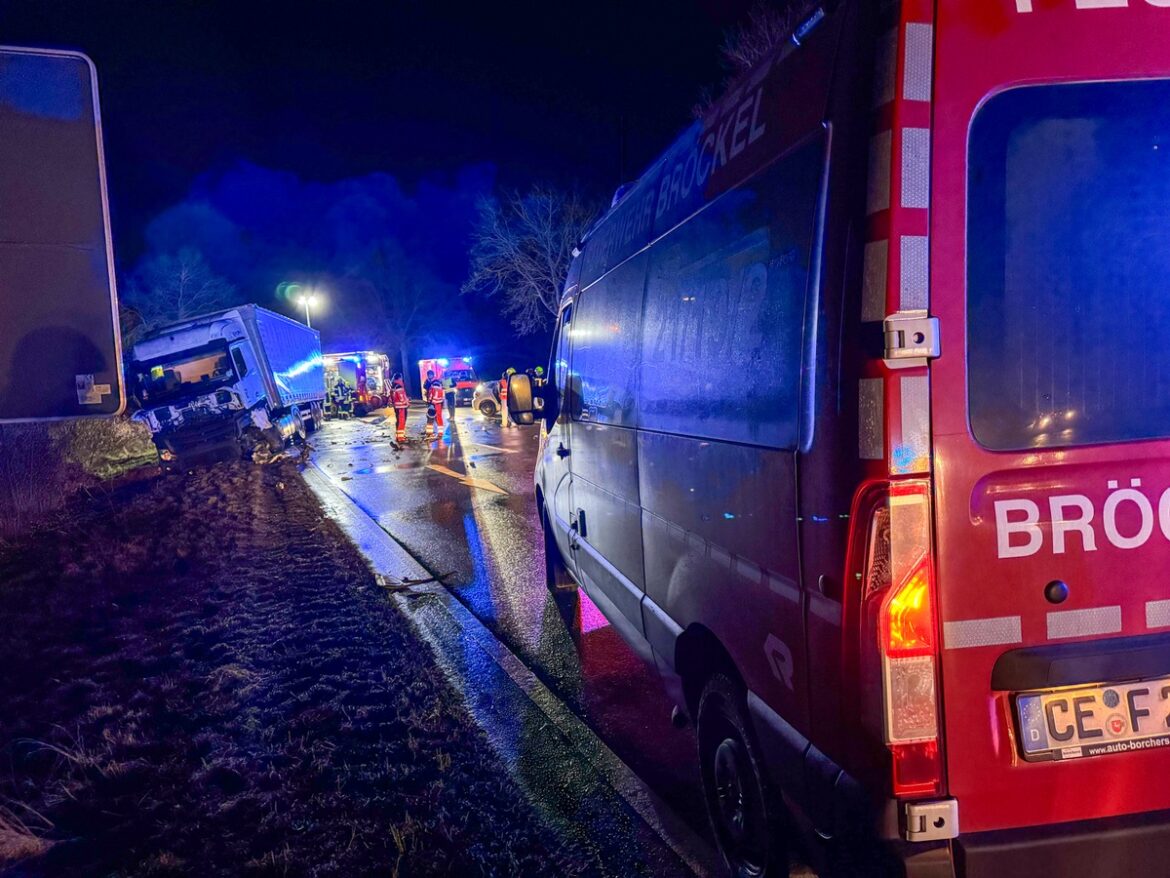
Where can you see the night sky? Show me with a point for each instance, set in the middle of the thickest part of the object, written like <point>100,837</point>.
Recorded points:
<point>536,91</point>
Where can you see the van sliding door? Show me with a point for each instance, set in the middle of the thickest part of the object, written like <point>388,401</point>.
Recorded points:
<point>604,463</point>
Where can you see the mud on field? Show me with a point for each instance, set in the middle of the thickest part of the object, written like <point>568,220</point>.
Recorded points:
<point>199,676</point>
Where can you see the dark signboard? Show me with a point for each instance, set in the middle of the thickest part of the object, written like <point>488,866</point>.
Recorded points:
<point>59,338</point>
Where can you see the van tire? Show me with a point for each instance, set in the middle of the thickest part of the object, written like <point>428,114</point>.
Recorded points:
<point>556,573</point>
<point>745,815</point>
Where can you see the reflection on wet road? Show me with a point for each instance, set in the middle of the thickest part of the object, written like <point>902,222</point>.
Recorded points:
<point>463,507</point>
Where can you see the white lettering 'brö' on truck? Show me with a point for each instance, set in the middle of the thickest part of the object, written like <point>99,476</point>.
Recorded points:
<point>1128,519</point>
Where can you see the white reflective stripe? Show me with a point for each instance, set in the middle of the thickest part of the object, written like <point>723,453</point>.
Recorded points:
<point>1023,5</point>
<point>914,273</point>
<point>915,167</point>
<point>783,587</point>
<point>1082,623</point>
<point>1158,614</point>
<point>982,632</point>
<point>919,57</point>
<point>885,68</point>
<point>746,569</point>
<point>913,452</point>
<point>878,192</point>
<point>871,440</point>
<point>873,281</point>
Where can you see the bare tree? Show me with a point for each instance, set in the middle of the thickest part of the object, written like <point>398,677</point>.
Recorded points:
<point>521,248</point>
<point>768,24</point>
<point>169,287</point>
<point>398,298</point>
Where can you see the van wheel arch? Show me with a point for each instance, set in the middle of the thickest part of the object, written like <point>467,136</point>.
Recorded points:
<point>698,654</point>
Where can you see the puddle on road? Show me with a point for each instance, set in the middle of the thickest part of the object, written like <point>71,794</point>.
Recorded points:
<point>383,468</point>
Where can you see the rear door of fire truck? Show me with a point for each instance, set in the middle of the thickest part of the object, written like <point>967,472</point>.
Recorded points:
<point>1049,243</point>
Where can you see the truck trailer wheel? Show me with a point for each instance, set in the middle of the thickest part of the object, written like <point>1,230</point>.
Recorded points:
<point>316,416</point>
<point>744,815</point>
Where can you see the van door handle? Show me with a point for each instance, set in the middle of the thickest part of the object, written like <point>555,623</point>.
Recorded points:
<point>562,451</point>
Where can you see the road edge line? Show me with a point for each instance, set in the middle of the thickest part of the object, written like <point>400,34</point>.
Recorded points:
<point>654,811</point>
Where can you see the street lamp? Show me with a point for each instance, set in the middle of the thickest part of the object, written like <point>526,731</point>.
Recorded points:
<point>308,301</point>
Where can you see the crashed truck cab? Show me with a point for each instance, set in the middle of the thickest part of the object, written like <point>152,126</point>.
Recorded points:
<point>227,383</point>
<point>858,423</point>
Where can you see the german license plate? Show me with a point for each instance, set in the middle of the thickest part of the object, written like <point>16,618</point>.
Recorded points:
<point>1095,720</point>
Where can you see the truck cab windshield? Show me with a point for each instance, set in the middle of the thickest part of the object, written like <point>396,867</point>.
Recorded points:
<point>192,373</point>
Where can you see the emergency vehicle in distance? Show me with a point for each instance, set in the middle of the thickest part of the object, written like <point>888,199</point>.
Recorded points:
<point>457,368</point>
<point>367,374</point>
<point>909,576</point>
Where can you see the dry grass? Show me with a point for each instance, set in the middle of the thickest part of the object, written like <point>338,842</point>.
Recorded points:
<point>184,693</point>
<point>18,841</point>
<point>43,465</point>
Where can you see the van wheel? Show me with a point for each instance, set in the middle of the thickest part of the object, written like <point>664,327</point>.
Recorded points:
<point>556,573</point>
<point>739,806</point>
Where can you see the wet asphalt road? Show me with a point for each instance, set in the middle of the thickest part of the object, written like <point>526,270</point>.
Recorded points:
<point>463,505</point>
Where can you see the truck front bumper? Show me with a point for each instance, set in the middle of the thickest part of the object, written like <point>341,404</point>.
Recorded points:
<point>203,442</point>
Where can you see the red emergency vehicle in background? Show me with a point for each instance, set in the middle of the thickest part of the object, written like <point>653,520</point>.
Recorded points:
<point>909,575</point>
<point>457,368</point>
<point>367,373</point>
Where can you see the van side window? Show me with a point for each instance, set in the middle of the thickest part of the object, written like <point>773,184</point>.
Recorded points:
<point>606,332</point>
<point>238,360</point>
<point>560,363</point>
<point>723,333</point>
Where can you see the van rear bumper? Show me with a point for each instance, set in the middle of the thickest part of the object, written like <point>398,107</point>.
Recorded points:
<point>1138,844</point>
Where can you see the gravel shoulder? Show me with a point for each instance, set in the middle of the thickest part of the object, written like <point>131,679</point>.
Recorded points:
<point>200,676</point>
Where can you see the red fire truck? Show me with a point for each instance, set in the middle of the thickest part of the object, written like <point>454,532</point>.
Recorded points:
<point>907,572</point>
<point>457,368</point>
<point>367,374</point>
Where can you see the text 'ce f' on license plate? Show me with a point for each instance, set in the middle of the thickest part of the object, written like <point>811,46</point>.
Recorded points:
<point>1094,721</point>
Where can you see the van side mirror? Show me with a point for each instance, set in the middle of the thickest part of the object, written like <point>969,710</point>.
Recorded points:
<point>521,402</point>
<point>60,339</point>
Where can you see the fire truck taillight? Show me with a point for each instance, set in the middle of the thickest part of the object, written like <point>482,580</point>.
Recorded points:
<point>909,615</point>
<point>907,637</point>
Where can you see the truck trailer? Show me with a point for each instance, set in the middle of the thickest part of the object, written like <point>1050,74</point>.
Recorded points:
<point>239,382</point>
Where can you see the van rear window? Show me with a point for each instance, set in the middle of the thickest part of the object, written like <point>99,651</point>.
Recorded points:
<point>1068,265</point>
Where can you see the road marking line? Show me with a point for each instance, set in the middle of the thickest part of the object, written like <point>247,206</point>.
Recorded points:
<point>499,448</point>
<point>467,480</point>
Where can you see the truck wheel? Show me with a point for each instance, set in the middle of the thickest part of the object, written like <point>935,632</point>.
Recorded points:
<point>316,415</point>
<point>556,573</point>
<point>743,813</point>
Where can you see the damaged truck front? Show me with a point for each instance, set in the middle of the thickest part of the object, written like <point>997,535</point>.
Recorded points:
<point>240,382</point>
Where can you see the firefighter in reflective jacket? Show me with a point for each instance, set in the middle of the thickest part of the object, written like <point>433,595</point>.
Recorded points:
<point>434,398</point>
<point>401,403</point>
<point>505,417</point>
